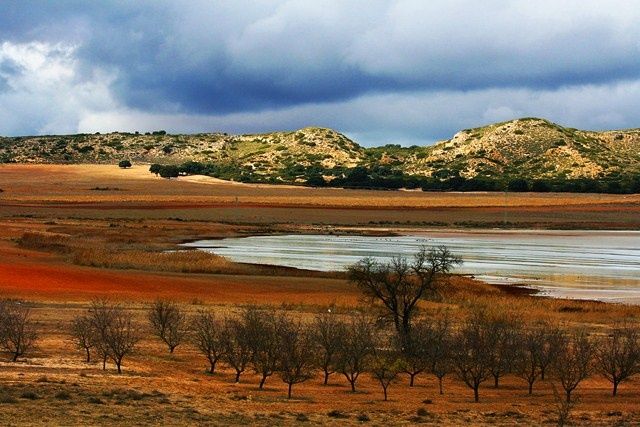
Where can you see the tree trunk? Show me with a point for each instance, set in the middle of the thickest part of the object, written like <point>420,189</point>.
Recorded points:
<point>476,396</point>
<point>406,331</point>
<point>412,377</point>
<point>496,380</point>
<point>326,377</point>
<point>88,355</point>
<point>289,391</point>
<point>104,363</point>
<point>171,348</point>
<point>568,396</point>
<point>15,356</point>
<point>238,376</point>
<point>385,393</point>
<point>264,378</point>
<point>440,384</point>
<point>353,385</point>
<point>118,363</point>
<point>530,387</point>
<point>615,388</point>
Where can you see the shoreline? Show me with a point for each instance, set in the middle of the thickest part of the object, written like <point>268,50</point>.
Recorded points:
<point>581,285</point>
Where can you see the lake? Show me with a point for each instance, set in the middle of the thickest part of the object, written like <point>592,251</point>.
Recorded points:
<point>602,265</point>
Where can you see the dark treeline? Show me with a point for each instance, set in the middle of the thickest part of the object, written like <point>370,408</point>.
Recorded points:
<point>383,177</point>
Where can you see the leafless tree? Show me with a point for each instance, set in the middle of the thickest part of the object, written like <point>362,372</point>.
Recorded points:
<point>83,334</point>
<point>356,349</point>
<point>208,337</point>
<point>169,322</point>
<point>122,336</point>
<point>17,330</point>
<point>428,348</point>
<point>328,332</point>
<point>262,329</point>
<point>553,337</point>
<point>297,354</point>
<point>439,345</point>
<point>236,346</point>
<point>574,361</point>
<point>473,352</point>
<point>384,366</point>
<point>116,334</point>
<point>527,364</point>
<point>415,349</point>
<point>562,407</point>
<point>618,355</point>
<point>400,284</point>
<point>101,314</point>
<point>505,331</point>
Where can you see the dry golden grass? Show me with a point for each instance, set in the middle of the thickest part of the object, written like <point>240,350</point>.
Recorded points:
<point>66,191</point>
<point>158,388</point>
<point>136,252</point>
<point>67,184</point>
<point>179,261</point>
<point>57,220</point>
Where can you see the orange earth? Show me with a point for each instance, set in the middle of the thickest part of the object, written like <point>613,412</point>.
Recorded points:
<point>53,385</point>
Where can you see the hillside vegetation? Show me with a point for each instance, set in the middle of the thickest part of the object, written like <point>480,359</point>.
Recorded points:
<point>524,154</point>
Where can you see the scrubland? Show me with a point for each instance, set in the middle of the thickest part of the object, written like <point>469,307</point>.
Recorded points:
<point>63,244</point>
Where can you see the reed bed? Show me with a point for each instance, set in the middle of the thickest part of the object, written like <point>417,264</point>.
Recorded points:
<point>178,261</point>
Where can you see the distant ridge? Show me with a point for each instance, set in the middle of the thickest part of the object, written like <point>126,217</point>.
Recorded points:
<point>528,148</point>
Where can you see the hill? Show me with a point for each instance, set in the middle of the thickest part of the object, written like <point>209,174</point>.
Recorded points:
<point>524,154</point>
<point>530,148</point>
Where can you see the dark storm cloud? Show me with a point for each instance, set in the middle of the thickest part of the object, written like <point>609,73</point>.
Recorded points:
<point>234,58</point>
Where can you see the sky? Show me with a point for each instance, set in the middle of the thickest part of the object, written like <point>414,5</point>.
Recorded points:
<point>382,72</point>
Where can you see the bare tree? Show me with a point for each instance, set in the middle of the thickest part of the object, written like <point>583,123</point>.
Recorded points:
<point>236,346</point>
<point>384,366</point>
<point>17,330</point>
<point>562,407</point>
<point>439,345</point>
<point>505,330</point>
<point>83,334</point>
<point>428,348</point>
<point>357,347</point>
<point>527,364</point>
<point>618,355</point>
<point>473,352</point>
<point>101,314</point>
<point>169,322</point>
<point>296,353</point>
<point>116,335</point>
<point>122,336</point>
<point>328,334</point>
<point>399,284</point>
<point>208,337</point>
<point>415,350</point>
<point>261,326</point>
<point>574,361</point>
<point>553,338</point>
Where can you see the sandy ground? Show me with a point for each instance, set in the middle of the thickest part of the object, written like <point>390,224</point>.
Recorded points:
<point>103,191</point>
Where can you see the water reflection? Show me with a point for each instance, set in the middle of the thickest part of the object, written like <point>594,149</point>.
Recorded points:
<point>602,265</point>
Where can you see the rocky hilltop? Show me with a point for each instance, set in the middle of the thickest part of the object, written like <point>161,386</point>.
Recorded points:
<point>527,149</point>
<point>534,149</point>
<point>262,152</point>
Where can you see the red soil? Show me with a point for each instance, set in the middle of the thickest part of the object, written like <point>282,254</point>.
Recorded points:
<point>35,276</point>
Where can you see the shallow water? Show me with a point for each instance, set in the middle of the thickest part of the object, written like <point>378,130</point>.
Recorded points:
<point>603,265</point>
